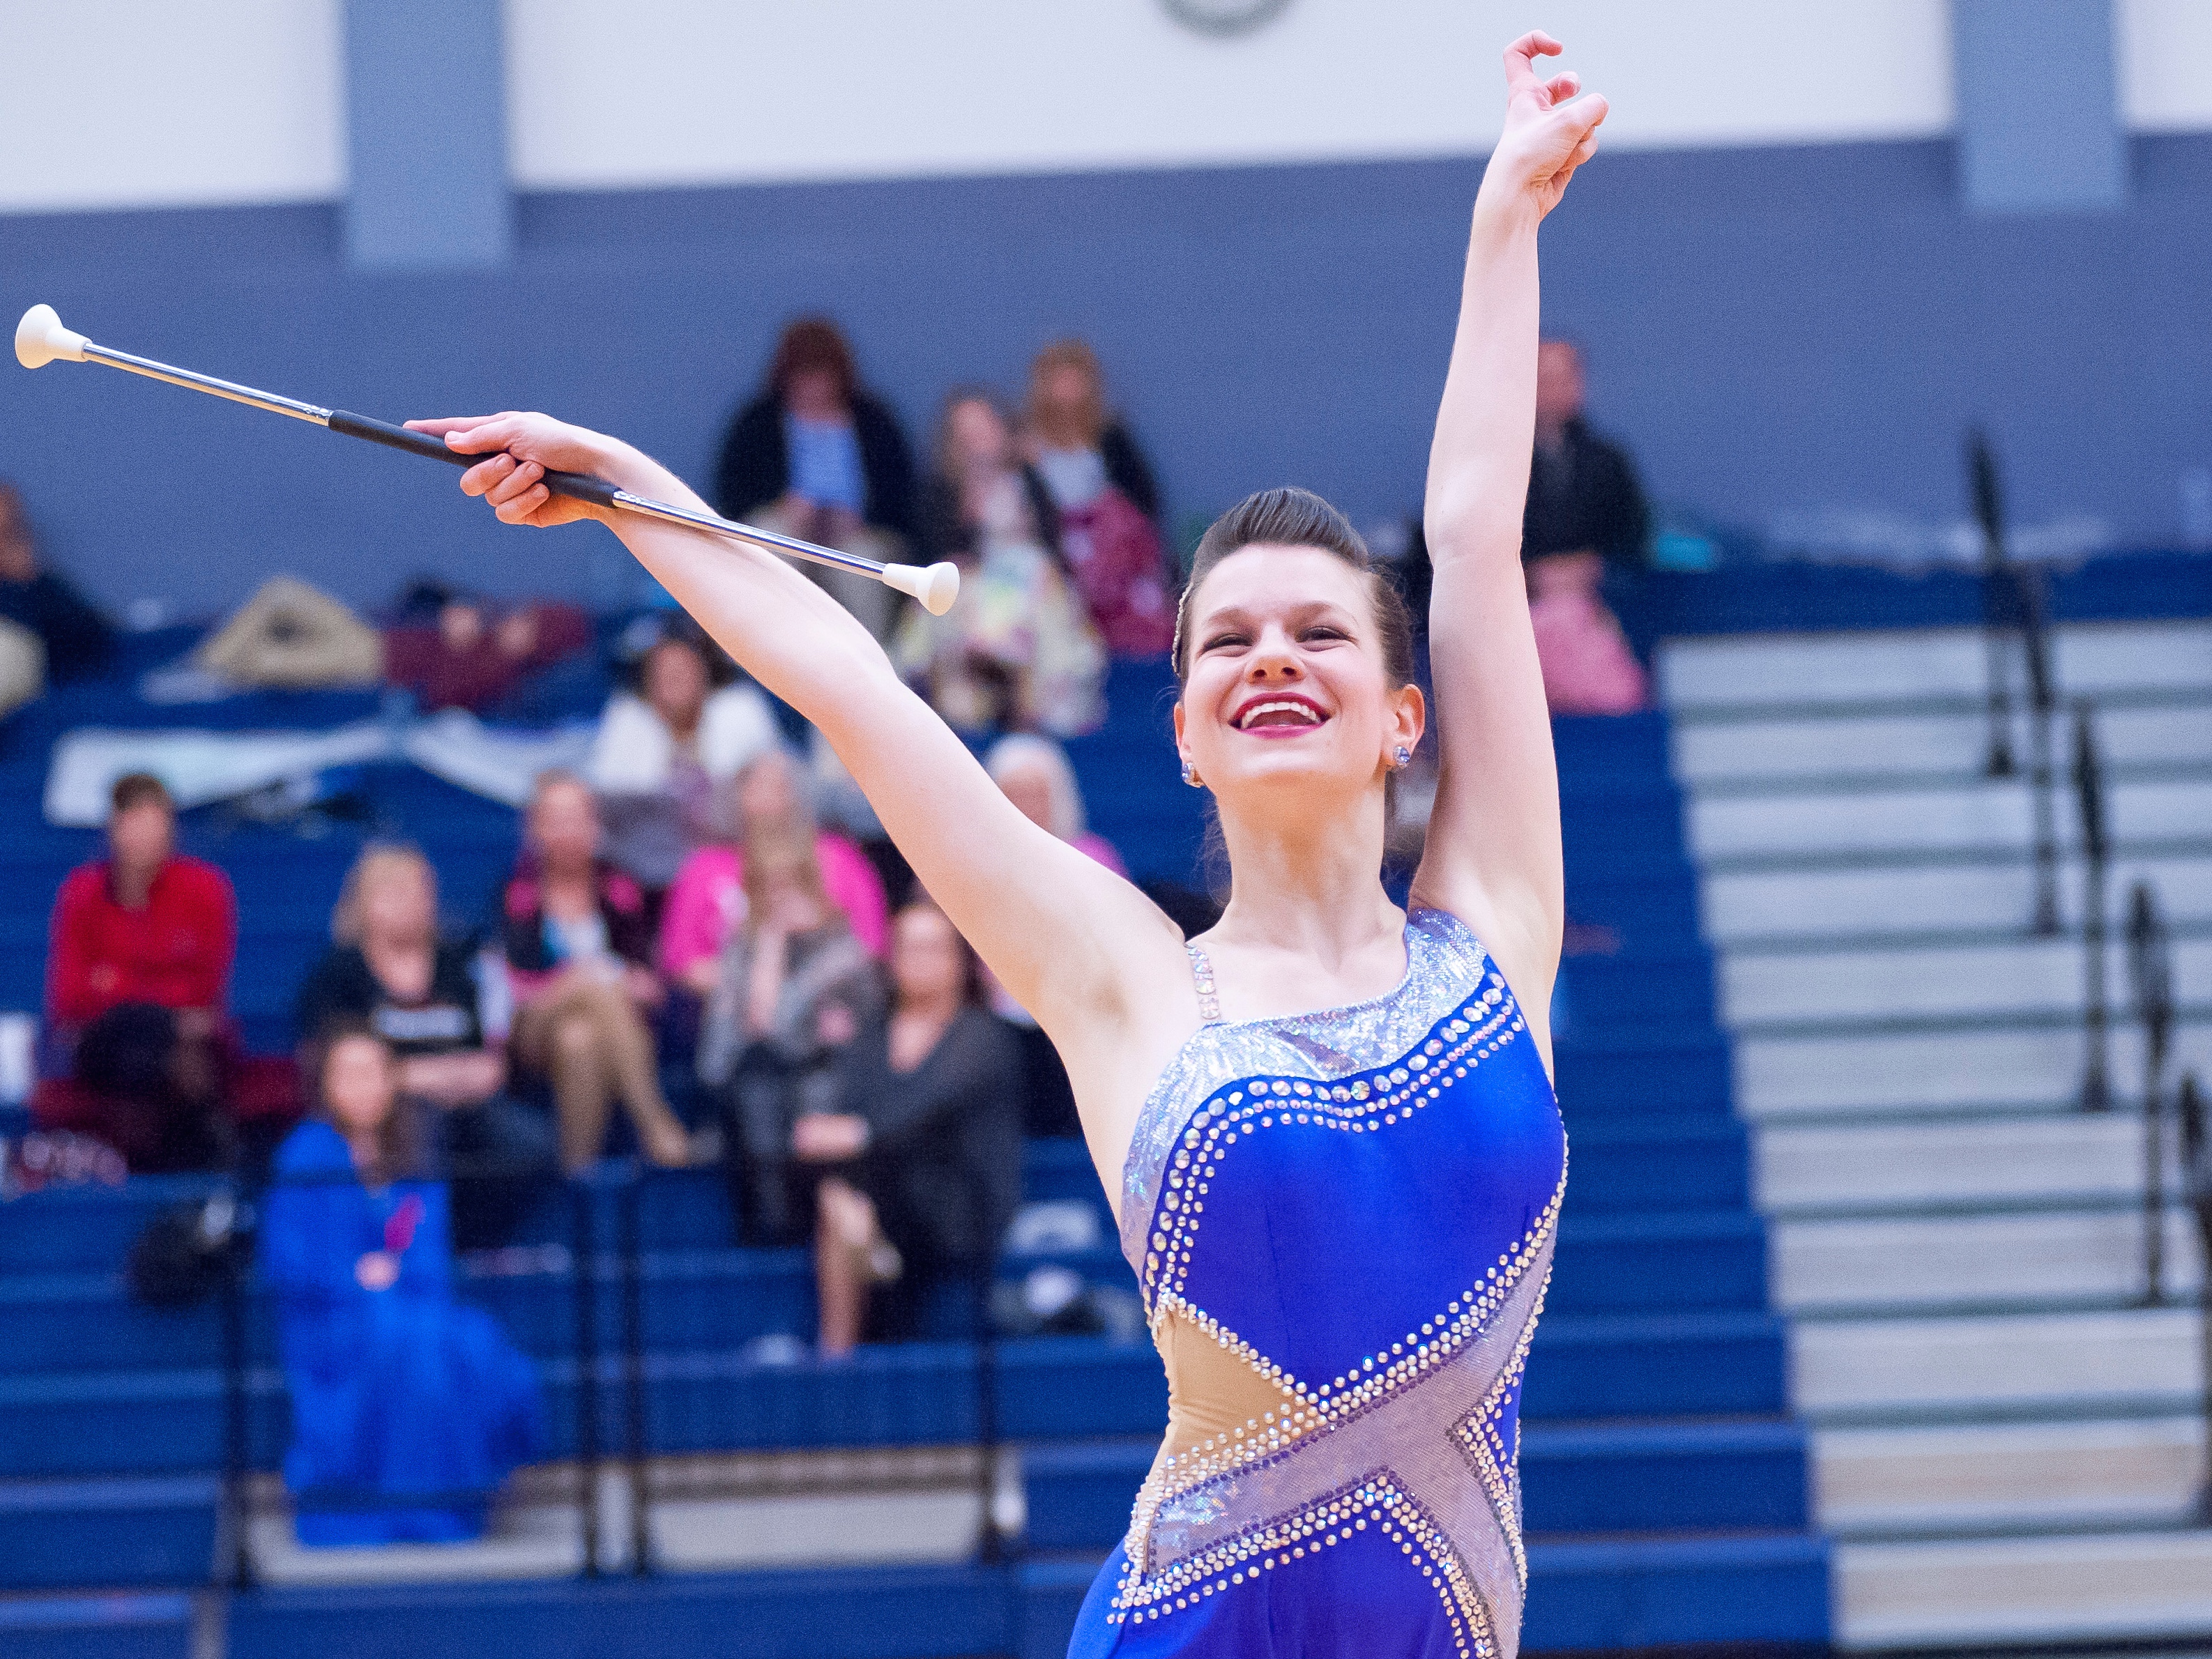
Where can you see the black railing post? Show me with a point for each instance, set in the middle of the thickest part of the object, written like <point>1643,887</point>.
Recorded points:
<point>2197,1185</point>
<point>2150,975</point>
<point>584,1270</point>
<point>1989,512</point>
<point>2043,702</point>
<point>237,1510</point>
<point>2096,1024</point>
<point>634,1417</point>
<point>992,1545</point>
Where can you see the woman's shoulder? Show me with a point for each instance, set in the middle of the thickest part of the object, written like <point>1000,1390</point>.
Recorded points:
<point>313,1147</point>
<point>710,867</point>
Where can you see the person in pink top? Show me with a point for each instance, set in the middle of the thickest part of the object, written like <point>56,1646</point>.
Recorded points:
<point>709,899</point>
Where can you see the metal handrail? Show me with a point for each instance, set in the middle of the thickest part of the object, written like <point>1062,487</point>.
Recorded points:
<point>2096,1094</point>
<point>2150,979</point>
<point>2196,1186</point>
<point>2014,609</point>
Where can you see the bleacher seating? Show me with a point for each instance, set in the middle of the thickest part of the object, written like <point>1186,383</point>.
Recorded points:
<point>1667,1490</point>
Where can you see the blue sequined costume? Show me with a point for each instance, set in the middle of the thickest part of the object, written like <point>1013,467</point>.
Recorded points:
<point>1345,1220</point>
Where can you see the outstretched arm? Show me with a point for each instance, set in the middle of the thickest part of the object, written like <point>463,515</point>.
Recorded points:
<point>1493,847</point>
<point>1080,948</point>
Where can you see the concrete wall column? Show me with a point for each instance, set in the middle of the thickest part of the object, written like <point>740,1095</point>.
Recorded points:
<point>2040,126</point>
<point>425,127</point>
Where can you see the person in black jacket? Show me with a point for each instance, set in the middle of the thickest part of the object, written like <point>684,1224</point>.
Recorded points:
<point>924,1161</point>
<point>77,638</point>
<point>1583,496</point>
<point>818,456</point>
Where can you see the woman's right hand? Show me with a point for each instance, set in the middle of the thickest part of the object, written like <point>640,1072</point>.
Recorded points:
<point>521,449</point>
<point>1550,128</point>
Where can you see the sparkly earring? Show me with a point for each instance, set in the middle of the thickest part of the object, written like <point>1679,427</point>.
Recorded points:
<point>1401,757</point>
<point>1190,776</point>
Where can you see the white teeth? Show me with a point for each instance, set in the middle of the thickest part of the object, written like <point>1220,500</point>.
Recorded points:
<point>1298,709</point>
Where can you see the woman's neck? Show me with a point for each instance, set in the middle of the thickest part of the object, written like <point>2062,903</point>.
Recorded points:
<point>1308,881</point>
<point>133,886</point>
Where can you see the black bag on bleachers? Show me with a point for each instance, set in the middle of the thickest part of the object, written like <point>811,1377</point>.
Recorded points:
<point>186,1252</point>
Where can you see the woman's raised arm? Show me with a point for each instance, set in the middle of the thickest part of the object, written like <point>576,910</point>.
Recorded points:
<point>1493,845</point>
<point>1078,947</point>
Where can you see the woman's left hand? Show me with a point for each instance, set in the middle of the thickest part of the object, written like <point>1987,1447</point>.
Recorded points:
<point>1546,135</point>
<point>377,1270</point>
<point>518,450</point>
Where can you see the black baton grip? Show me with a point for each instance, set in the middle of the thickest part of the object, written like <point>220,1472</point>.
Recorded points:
<point>597,491</point>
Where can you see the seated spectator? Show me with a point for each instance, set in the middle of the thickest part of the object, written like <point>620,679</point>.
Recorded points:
<point>389,970</point>
<point>398,1389</point>
<point>663,752</point>
<point>1033,773</point>
<point>1585,513</point>
<point>794,986</point>
<point>468,655</point>
<point>1107,504</point>
<point>818,456</point>
<point>77,638</point>
<point>290,636</point>
<point>925,1154</point>
<point>138,963</point>
<point>709,899</point>
<point>1018,651</point>
<point>578,940</point>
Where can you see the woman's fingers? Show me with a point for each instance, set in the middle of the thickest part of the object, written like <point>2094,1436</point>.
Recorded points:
<point>438,428</point>
<point>1562,86</point>
<point>1521,59</point>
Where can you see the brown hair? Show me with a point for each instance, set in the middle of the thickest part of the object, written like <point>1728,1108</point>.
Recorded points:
<point>975,985</point>
<point>136,789</point>
<point>1090,419</point>
<point>813,344</point>
<point>402,1145</point>
<point>1290,517</point>
<point>786,853</point>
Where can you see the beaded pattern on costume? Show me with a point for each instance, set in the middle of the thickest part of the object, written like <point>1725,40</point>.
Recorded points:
<point>1442,958</point>
<point>1487,1023</point>
<point>1206,1491</point>
<point>1379,1501</point>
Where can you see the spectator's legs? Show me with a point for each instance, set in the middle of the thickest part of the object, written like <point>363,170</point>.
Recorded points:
<point>844,1231</point>
<point>586,1036</point>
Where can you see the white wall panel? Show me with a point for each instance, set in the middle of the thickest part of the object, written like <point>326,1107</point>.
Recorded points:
<point>2165,61</point>
<point>659,92</point>
<point>161,103</point>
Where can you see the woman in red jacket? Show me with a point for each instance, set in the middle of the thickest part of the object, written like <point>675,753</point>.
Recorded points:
<point>138,968</point>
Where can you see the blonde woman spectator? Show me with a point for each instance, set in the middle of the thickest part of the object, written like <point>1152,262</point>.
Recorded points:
<point>709,899</point>
<point>1103,494</point>
<point>578,942</point>
<point>1018,651</point>
<point>390,970</point>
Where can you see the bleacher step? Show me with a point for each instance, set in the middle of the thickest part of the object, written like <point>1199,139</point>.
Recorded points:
<point>1985,1592</point>
<point>2131,1361</point>
<point>1990,1476</point>
<point>2033,1256</point>
<point>2077,1158</point>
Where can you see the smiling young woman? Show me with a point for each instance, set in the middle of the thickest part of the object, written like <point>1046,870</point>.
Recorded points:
<point>1328,1124</point>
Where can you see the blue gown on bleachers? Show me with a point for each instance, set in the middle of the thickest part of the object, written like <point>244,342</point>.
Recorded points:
<point>1343,1226</point>
<point>398,1391</point>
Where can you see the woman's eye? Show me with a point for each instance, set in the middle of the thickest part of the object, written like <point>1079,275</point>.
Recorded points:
<point>1219,639</point>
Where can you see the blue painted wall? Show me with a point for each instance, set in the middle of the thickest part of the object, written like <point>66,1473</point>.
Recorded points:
<point>1771,329</point>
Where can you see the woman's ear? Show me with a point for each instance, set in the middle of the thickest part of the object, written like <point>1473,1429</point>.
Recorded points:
<point>1410,717</point>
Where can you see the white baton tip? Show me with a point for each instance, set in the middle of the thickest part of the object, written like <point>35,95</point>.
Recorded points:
<point>936,586</point>
<point>40,339</point>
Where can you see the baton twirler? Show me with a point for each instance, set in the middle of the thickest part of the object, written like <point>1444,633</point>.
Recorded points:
<point>40,339</point>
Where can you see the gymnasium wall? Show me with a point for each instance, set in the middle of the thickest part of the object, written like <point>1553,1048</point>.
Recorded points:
<point>1787,312</point>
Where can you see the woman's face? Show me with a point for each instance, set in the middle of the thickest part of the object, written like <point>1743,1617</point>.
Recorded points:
<point>1287,683</point>
<point>766,792</point>
<point>564,825</point>
<point>979,439</point>
<point>815,394</point>
<point>396,905</point>
<point>675,683</point>
<point>358,1086</point>
<point>928,963</point>
<point>1067,387</point>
